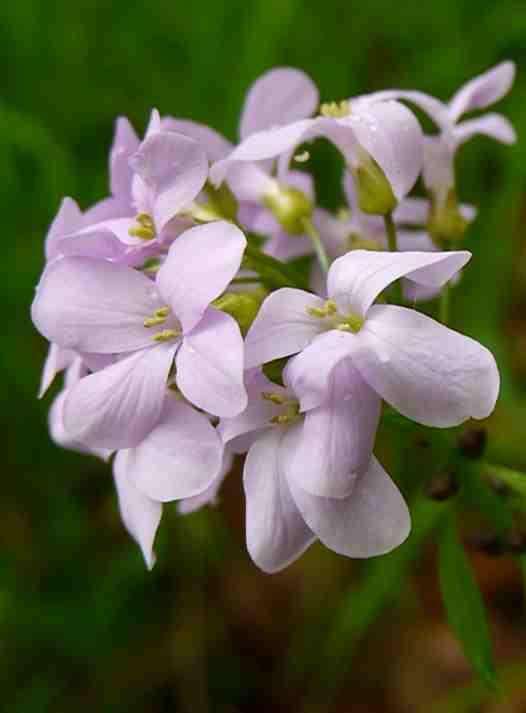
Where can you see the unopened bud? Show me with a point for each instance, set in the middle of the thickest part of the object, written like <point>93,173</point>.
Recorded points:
<point>290,207</point>
<point>242,306</point>
<point>222,200</point>
<point>375,194</point>
<point>446,223</point>
<point>442,486</point>
<point>473,442</point>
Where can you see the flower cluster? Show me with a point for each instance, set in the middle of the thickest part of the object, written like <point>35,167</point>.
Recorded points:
<point>166,302</point>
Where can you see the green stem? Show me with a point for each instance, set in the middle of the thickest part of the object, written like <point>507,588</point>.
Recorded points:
<point>444,303</point>
<point>514,479</point>
<point>245,281</point>
<point>390,229</point>
<point>319,248</point>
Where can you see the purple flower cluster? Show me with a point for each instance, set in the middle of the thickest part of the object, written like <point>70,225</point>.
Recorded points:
<point>158,373</point>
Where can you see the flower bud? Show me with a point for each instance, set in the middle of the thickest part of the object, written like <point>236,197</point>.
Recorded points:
<point>290,207</point>
<point>242,306</point>
<point>446,222</point>
<point>375,194</point>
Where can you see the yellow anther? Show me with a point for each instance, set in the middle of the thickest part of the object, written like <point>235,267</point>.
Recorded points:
<point>165,335</point>
<point>154,321</point>
<point>343,213</point>
<point>331,307</point>
<point>145,228</point>
<point>335,110</point>
<point>353,323</point>
<point>275,398</point>
<point>162,312</point>
<point>316,312</point>
<point>302,157</point>
<point>145,220</point>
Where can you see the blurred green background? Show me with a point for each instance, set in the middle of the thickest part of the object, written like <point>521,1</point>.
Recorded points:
<point>83,626</point>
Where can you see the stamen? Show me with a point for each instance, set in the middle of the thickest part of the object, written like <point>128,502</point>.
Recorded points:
<point>162,312</point>
<point>316,312</point>
<point>165,335</point>
<point>302,157</point>
<point>145,228</point>
<point>335,110</point>
<point>353,323</point>
<point>154,321</point>
<point>290,414</point>
<point>273,397</point>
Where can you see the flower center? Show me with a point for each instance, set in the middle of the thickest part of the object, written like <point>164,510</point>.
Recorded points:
<point>335,110</point>
<point>159,317</point>
<point>351,322</point>
<point>290,408</point>
<point>144,227</point>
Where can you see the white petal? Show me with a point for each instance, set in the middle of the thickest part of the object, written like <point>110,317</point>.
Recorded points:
<point>56,361</point>
<point>426,371</point>
<point>493,125</point>
<point>214,144</point>
<point>282,326</point>
<point>356,279</point>
<point>483,90</point>
<point>180,457</point>
<point>118,406</point>
<point>276,532</point>
<point>67,220</point>
<point>140,515</point>
<point>210,495</point>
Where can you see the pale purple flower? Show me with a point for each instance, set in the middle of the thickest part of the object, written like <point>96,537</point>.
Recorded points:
<point>98,307</point>
<point>292,456</point>
<point>428,372</point>
<point>181,458</point>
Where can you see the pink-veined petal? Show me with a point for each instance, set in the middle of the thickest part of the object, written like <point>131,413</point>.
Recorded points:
<point>94,306</point>
<point>493,125</point>
<point>276,532</point>
<point>356,279</point>
<point>125,144</point>
<point>210,365</point>
<point>118,406</point>
<point>68,219</point>
<point>179,458</point>
<point>338,437</point>
<point>372,520</point>
<point>428,372</point>
<point>280,96</point>
<point>199,267</point>
<point>100,244</point>
<point>211,141</point>
<point>56,361</point>
<point>482,91</point>
<point>433,107</point>
<point>282,326</point>
<point>210,495</point>
<point>175,168</point>
<point>141,515</point>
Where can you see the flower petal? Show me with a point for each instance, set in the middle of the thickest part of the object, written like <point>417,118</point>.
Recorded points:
<point>56,361</point>
<point>211,141</point>
<point>390,133</point>
<point>428,372</point>
<point>356,279</point>
<point>125,144</point>
<point>179,458</point>
<point>140,515</point>
<point>94,306</point>
<point>482,91</point>
<point>263,145</point>
<point>308,374</point>
<point>280,96</point>
<point>100,244</point>
<point>210,365</point>
<point>199,267</point>
<point>338,437</point>
<point>493,125</point>
<point>175,168</point>
<point>433,107</point>
<point>118,406</point>
<point>208,496</point>
<point>67,220</point>
<point>372,520</point>
<point>276,532</point>
<point>282,326</point>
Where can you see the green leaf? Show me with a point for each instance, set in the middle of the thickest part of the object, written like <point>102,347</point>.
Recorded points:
<point>464,605</point>
<point>477,494</point>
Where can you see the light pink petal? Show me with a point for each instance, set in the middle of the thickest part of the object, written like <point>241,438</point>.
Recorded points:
<point>482,91</point>
<point>141,515</point>
<point>94,306</point>
<point>280,96</point>
<point>412,211</point>
<point>309,373</point>
<point>210,495</point>
<point>428,372</point>
<point>125,144</point>
<point>211,141</point>
<point>107,209</point>
<point>179,458</point>
<point>276,532</point>
<point>210,365</point>
<point>67,220</point>
<point>101,244</point>
<point>263,145</point>
<point>60,436</point>
<point>249,181</point>
<point>258,412</point>
<point>493,125</point>
<point>155,124</point>
<point>56,361</point>
<point>356,279</point>
<point>372,520</point>
<point>434,108</point>
<point>390,133</point>
<point>282,326</point>
<point>284,246</point>
<point>199,267</point>
<point>118,406</point>
<point>338,437</point>
<point>175,168</point>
